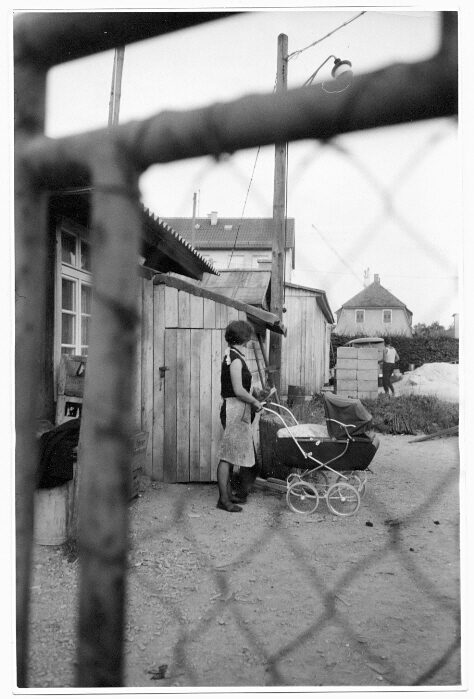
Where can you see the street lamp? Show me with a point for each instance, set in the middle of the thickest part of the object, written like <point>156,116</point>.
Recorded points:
<point>341,73</point>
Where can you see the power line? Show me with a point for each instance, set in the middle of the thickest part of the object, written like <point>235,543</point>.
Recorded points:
<point>318,41</point>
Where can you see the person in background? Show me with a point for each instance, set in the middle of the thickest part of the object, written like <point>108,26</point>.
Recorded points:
<point>390,357</point>
<point>236,448</point>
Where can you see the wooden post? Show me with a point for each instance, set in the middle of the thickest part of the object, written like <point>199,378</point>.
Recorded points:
<point>279,220</point>
<point>193,223</point>
<point>116,89</point>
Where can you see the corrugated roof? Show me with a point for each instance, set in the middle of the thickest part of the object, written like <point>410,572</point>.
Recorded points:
<point>164,242</point>
<point>375,296</point>
<point>232,232</point>
<point>163,248</point>
<point>247,286</point>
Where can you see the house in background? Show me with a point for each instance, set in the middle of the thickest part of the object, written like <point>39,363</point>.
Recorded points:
<point>236,243</point>
<point>374,311</point>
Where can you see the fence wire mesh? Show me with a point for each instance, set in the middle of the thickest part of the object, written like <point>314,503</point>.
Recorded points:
<point>213,603</point>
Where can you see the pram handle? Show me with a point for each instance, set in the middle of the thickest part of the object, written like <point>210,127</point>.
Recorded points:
<point>274,412</point>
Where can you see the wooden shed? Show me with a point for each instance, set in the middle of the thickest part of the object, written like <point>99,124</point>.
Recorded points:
<point>306,350</point>
<point>182,345</point>
<point>308,320</point>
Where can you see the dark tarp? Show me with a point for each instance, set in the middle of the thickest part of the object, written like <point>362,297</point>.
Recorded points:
<point>56,454</point>
<point>349,411</point>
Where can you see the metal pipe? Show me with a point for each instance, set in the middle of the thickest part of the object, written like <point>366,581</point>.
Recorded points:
<point>107,422</point>
<point>394,95</point>
<point>49,38</point>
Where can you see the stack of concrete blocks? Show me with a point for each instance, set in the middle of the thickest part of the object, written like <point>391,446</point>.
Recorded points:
<point>357,372</point>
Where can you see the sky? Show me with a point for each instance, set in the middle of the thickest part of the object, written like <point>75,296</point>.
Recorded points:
<point>335,194</point>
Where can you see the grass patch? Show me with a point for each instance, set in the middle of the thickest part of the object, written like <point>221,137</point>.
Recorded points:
<point>398,415</point>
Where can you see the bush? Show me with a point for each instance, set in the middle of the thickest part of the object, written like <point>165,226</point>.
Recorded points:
<point>399,415</point>
<point>415,350</point>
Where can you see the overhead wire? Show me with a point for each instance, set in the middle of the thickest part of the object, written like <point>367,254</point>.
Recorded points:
<point>298,52</point>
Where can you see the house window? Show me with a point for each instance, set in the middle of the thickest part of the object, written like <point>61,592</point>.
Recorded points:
<point>387,316</point>
<point>73,292</point>
<point>360,315</point>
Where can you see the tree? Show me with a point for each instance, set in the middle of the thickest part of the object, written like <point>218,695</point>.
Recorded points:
<point>433,330</point>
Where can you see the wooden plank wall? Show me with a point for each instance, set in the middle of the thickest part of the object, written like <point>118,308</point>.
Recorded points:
<point>304,350</point>
<point>185,334</point>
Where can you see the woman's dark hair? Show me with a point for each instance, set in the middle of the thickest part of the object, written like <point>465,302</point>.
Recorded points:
<point>238,332</point>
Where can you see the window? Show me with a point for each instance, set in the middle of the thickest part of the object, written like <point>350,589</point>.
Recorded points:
<point>73,292</point>
<point>387,316</point>
<point>360,315</point>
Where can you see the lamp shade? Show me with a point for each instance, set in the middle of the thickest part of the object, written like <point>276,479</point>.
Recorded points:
<point>341,68</point>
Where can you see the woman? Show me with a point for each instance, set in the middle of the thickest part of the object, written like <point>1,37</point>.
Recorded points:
<point>236,448</point>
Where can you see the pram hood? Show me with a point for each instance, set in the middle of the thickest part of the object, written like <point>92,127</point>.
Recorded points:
<point>349,411</point>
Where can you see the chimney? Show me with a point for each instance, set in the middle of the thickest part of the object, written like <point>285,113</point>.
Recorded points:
<point>213,218</point>
<point>376,279</point>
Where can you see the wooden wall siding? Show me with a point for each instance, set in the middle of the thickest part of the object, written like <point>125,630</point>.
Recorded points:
<point>147,381</point>
<point>169,412</point>
<point>305,358</point>
<point>158,434</point>
<point>181,412</point>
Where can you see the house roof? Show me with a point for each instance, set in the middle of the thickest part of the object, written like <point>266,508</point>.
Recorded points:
<point>258,316</point>
<point>163,248</point>
<point>375,296</point>
<point>232,232</point>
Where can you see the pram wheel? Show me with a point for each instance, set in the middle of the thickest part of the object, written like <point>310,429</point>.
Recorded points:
<point>302,497</point>
<point>353,479</point>
<point>343,499</point>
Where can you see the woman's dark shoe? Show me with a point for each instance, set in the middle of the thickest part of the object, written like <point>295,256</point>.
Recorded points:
<point>238,499</point>
<point>228,506</point>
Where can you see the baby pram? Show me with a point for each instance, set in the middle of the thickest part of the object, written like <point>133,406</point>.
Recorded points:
<point>322,461</point>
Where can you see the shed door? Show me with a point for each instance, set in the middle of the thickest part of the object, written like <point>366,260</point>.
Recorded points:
<point>191,430</point>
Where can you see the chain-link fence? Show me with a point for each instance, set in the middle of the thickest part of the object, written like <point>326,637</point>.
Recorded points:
<point>111,161</point>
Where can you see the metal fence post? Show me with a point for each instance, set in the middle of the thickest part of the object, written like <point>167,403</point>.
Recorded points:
<point>105,453</point>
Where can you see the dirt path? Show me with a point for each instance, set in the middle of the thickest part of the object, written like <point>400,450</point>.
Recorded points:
<point>271,598</point>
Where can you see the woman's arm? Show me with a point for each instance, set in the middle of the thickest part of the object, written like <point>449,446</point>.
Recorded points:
<point>239,390</point>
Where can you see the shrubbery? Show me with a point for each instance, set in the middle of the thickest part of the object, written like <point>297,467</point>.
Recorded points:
<point>400,415</point>
<point>415,350</point>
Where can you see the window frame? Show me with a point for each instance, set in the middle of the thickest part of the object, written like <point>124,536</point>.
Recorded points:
<point>359,310</point>
<point>387,322</point>
<point>65,270</point>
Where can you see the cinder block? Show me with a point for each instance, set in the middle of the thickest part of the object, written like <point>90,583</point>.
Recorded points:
<point>343,363</point>
<point>346,374</point>
<point>347,352</point>
<point>367,385</point>
<point>368,353</point>
<point>346,385</point>
<point>364,375</point>
<point>368,364</point>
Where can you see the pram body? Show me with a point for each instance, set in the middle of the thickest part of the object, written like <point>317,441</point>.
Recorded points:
<point>309,453</point>
<point>346,440</point>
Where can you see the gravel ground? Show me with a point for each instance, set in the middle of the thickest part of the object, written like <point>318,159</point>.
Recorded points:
<point>269,598</point>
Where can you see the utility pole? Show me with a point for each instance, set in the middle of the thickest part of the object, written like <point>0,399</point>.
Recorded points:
<point>279,221</point>
<point>116,89</point>
<point>193,224</point>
